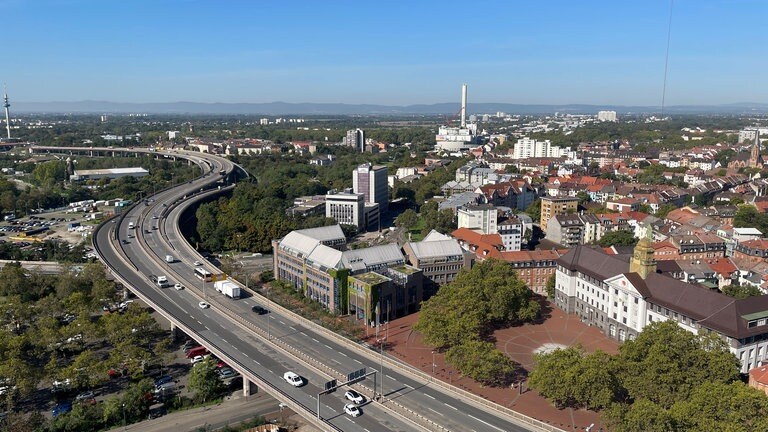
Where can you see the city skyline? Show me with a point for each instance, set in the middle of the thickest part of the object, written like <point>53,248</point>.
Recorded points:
<point>393,54</point>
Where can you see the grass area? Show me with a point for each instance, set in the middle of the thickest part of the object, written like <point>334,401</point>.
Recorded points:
<point>415,232</point>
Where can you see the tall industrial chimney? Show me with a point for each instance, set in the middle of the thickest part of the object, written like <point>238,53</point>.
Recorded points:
<point>463,106</point>
<point>7,114</point>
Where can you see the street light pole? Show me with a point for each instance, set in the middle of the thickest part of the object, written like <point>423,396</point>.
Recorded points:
<point>381,360</point>
<point>125,427</point>
<point>433,364</point>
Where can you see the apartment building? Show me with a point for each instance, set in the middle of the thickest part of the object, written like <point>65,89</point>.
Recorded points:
<point>551,206</point>
<point>573,229</point>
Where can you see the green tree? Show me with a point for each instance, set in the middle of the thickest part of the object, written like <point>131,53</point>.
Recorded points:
<point>741,291</point>
<point>618,238</point>
<point>664,210</point>
<point>482,362</point>
<point>641,416</point>
<point>724,407</point>
<point>204,381</point>
<point>534,210</point>
<point>553,375</point>
<point>551,282</point>
<point>408,219</point>
<point>665,362</point>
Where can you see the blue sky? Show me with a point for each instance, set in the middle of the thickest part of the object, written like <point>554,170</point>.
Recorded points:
<point>385,52</point>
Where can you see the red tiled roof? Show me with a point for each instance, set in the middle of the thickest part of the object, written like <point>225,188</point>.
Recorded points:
<point>483,245</point>
<point>663,244</point>
<point>759,374</point>
<point>761,244</point>
<point>724,266</point>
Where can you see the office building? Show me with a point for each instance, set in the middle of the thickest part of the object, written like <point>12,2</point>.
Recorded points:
<point>440,257</point>
<point>347,281</point>
<point>371,181</point>
<point>621,296</point>
<point>346,208</point>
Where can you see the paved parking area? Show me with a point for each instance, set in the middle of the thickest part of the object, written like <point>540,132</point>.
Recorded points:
<point>520,343</point>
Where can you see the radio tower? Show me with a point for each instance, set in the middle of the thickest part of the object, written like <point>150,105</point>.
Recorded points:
<point>7,113</point>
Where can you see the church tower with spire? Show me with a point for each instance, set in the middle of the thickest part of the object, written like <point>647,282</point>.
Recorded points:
<point>643,262</point>
<point>755,160</point>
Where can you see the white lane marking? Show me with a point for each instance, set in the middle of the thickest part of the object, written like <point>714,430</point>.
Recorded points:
<point>257,362</point>
<point>281,322</point>
<point>344,354</point>
<point>436,412</point>
<point>358,361</point>
<point>392,378</point>
<point>315,340</point>
<point>485,422</point>
<point>223,340</point>
<point>328,346</point>
<point>429,396</point>
<point>450,406</point>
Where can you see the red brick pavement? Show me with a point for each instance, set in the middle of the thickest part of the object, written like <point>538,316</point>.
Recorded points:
<point>558,329</point>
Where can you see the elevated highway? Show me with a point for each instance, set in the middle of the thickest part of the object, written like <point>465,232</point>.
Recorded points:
<point>263,347</point>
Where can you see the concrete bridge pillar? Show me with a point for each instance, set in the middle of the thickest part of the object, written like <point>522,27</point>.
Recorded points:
<point>249,387</point>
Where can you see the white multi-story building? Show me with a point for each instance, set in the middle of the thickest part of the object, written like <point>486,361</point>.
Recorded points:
<point>530,148</point>
<point>621,298</point>
<point>511,232</point>
<point>346,208</point>
<point>479,217</point>
<point>356,138</point>
<point>607,116</point>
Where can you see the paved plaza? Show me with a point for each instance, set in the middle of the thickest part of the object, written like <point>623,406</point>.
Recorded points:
<point>520,343</point>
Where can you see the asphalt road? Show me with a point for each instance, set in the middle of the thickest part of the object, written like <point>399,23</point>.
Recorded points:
<point>257,355</point>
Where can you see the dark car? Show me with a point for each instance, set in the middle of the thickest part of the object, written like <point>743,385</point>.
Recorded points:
<point>259,310</point>
<point>163,379</point>
<point>61,408</point>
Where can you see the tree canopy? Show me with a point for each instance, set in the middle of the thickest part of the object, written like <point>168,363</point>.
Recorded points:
<point>618,238</point>
<point>463,313</point>
<point>668,379</point>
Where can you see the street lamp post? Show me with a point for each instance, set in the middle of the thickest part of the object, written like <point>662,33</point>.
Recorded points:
<point>433,364</point>
<point>381,360</point>
<point>124,424</point>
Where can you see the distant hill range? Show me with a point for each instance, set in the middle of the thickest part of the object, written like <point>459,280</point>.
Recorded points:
<point>284,108</point>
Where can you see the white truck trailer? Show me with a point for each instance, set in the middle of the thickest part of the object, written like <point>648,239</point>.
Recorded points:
<point>228,288</point>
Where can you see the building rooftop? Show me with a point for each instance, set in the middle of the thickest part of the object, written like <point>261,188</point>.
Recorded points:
<point>405,269</point>
<point>371,278</point>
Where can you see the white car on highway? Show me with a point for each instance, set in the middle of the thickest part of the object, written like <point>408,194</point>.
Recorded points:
<point>354,396</point>
<point>179,286</point>
<point>352,410</point>
<point>203,305</point>
<point>293,379</point>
